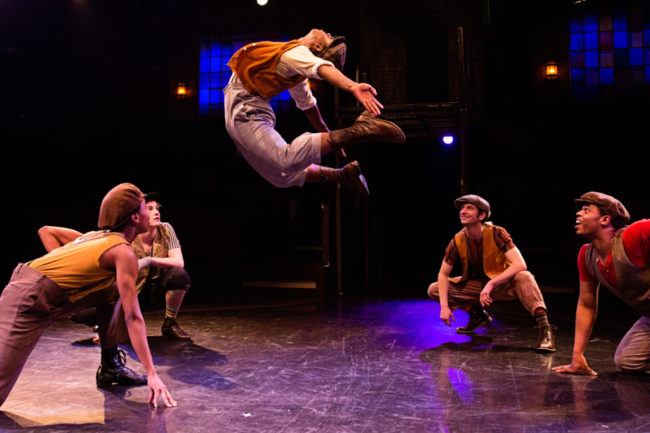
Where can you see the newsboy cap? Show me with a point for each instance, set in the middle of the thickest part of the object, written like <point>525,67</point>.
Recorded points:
<point>118,204</point>
<point>608,205</point>
<point>152,196</point>
<point>481,203</point>
<point>335,52</point>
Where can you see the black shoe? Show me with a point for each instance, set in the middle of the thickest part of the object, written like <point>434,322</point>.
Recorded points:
<point>171,329</point>
<point>114,372</point>
<point>477,317</point>
<point>546,340</point>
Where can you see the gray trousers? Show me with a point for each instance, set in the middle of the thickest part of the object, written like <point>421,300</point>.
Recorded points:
<point>522,286</point>
<point>28,305</point>
<point>633,352</point>
<point>250,121</point>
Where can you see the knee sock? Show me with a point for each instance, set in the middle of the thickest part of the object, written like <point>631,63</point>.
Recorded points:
<point>541,316</point>
<point>170,313</point>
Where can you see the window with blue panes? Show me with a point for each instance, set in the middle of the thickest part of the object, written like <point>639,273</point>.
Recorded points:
<point>608,49</point>
<point>214,73</point>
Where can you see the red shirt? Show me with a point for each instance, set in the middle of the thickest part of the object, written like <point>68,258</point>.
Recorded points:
<point>636,241</point>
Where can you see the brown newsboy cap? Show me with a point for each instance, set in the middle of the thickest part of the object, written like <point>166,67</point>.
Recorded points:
<point>335,52</point>
<point>118,204</point>
<point>481,203</point>
<point>608,205</point>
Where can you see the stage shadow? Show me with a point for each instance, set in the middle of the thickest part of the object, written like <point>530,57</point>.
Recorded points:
<point>189,363</point>
<point>478,343</point>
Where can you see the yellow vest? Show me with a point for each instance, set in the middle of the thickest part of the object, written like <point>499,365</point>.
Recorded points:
<point>255,65</point>
<point>75,266</point>
<point>494,260</point>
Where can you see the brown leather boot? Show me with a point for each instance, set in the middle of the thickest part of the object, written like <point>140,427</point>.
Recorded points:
<point>367,128</point>
<point>350,176</point>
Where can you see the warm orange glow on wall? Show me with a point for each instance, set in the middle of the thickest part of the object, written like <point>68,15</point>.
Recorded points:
<point>181,90</point>
<point>551,70</point>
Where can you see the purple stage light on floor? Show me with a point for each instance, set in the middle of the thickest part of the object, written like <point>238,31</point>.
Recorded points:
<point>448,140</point>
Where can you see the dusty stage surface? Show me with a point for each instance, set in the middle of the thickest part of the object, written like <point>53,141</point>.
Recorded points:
<point>348,366</point>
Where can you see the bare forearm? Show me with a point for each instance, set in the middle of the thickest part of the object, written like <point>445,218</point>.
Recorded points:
<point>138,335</point>
<point>443,290</point>
<point>507,275</point>
<point>168,262</point>
<point>585,319</point>
<point>336,78</point>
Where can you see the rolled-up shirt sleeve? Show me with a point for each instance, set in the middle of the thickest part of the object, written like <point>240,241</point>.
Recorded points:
<point>300,61</point>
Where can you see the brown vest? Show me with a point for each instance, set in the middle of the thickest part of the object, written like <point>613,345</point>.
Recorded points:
<point>633,282</point>
<point>255,65</point>
<point>494,260</point>
<point>159,248</point>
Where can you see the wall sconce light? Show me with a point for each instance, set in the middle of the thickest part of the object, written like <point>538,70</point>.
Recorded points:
<point>181,91</point>
<point>551,70</point>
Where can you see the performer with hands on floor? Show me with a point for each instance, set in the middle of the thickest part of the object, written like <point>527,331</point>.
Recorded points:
<point>617,257</point>
<point>98,269</point>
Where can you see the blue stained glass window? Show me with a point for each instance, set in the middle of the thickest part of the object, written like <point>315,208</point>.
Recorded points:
<point>591,41</point>
<point>620,21</point>
<point>621,58</point>
<point>591,23</point>
<point>214,72</point>
<point>204,81</point>
<point>215,80</point>
<point>204,96</point>
<point>215,49</point>
<point>636,56</point>
<point>607,75</point>
<point>620,39</point>
<point>591,76</point>
<point>609,52</point>
<point>205,49</point>
<point>636,39</point>
<point>578,76</point>
<point>204,66</point>
<point>578,60</point>
<point>605,40</point>
<point>591,59</point>
<point>216,96</point>
<point>576,25</point>
<point>606,58</point>
<point>577,41</point>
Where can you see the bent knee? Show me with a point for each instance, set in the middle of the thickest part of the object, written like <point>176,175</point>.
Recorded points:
<point>632,363</point>
<point>524,276</point>
<point>432,291</point>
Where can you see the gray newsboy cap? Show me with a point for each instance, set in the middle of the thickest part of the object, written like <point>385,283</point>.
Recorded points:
<point>478,201</point>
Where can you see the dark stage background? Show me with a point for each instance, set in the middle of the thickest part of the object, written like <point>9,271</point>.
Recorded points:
<point>88,101</point>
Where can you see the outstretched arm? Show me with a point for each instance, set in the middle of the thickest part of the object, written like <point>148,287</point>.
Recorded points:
<point>364,92</point>
<point>54,237</point>
<point>585,318</point>
<point>122,258</point>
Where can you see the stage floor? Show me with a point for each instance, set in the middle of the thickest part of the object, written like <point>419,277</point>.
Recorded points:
<point>351,366</point>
